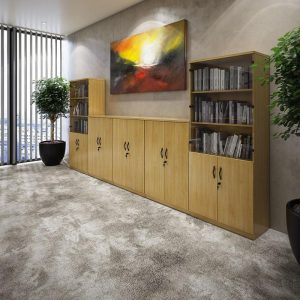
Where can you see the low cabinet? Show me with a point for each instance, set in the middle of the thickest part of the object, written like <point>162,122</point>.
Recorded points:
<point>166,162</point>
<point>128,154</point>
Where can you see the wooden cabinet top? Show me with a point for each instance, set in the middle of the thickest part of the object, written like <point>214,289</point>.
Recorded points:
<point>141,118</point>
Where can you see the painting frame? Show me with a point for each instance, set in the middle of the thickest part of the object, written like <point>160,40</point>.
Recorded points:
<point>152,61</point>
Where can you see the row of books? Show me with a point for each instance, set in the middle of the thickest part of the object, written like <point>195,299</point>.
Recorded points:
<point>226,111</point>
<point>80,126</point>
<point>232,78</point>
<point>221,143</point>
<point>80,109</point>
<point>80,91</point>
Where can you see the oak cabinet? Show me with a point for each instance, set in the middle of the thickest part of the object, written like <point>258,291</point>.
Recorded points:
<point>221,189</point>
<point>100,148</point>
<point>79,152</point>
<point>166,162</point>
<point>128,154</point>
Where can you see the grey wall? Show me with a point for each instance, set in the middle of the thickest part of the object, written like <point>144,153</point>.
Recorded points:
<point>215,27</point>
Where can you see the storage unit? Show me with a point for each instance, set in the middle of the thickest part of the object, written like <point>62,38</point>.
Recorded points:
<point>166,162</point>
<point>100,148</point>
<point>87,97</point>
<point>229,151</point>
<point>128,153</point>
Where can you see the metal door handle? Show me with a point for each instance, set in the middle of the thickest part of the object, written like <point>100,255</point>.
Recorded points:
<point>161,153</point>
<point>166,153</point>
<point>128,146</point>
<point>125,145</point>
<point>221,173</point>
<point>214,172</point>
<point>100,141</point>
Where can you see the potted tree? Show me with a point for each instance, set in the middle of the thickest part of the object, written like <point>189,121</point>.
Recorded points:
<point>51,97</point>
<point>285,104</point>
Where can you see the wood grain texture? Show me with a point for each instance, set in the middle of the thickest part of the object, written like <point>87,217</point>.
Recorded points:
<point>96,93</point>
<point>176,168</point>
<point>100,154</point>
<point>154,169</point>
<point>261,143</point>
<point>119,159</point>
<point>235,193</point>
<point>135,170</point>
<point>79,153</point>
<point>203,196</point>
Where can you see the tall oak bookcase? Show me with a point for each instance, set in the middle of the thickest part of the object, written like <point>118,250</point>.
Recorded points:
<point>228,190</point>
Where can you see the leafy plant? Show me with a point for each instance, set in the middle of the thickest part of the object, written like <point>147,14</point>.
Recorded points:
<point>286,60</point>
<point>51,97</point>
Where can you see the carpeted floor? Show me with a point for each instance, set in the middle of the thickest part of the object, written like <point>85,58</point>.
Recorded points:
<point>64,235</point>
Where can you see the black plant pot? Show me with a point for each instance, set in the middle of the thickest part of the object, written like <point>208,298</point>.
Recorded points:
<point>293,227</point>
<point>52,153</point>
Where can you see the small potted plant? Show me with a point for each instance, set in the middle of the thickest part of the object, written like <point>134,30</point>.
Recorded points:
<point>51,97</point>
<point>285,103</point>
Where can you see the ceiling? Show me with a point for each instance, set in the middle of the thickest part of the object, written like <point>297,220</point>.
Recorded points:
<point>59,16</point>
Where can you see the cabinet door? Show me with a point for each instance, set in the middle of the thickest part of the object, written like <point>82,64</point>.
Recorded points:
<point>176,169</point>
<point>235,193</point>
<point>78,151</point>
<point>135,160</point>
<point>154,169</point>
<point>96,96</point>
<point>119,152</point>
<point>203,198</point>
<point>100,148</point>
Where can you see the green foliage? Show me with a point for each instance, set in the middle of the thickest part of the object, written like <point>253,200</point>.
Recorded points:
<point>285,101</point>
<point>51,97</point>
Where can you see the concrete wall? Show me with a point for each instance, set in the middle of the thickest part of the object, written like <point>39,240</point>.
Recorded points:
<point>215,27</point>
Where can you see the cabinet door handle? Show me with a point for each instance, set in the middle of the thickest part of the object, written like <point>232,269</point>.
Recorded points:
<point>221,173</point>
<point>124,146</point>
<point>128,146</point>
<point>161,153</point>
<point>97,141</point>
<point>214,172</point>
<point>100,141</point>
<point>166,153</point>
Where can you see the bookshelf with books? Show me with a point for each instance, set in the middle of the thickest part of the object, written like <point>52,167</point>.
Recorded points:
<point>87,98</point>
<point>229,130</point>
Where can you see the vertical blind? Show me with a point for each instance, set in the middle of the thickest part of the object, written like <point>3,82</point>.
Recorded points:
<point>4,97</point>
<point>39,56</point>
<point>25,56</point>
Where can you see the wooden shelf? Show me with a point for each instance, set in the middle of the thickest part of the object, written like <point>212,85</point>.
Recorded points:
<point>223,91</point>
<point>79,98</point>
<point>218,155</point>
<point>78,116</point>
<point>223,124</point>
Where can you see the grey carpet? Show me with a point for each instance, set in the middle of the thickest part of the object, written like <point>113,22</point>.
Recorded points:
<point>65,235</point>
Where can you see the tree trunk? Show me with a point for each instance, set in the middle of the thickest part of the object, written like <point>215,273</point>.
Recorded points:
<point>52,131</point>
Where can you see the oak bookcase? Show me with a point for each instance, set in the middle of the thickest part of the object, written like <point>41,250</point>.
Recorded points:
<point>87,97</point>
<point>229,191</point>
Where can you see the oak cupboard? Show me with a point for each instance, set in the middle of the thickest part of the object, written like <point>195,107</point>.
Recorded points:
<point>166,162</point>
<point>100,148</point>
<point>128,154</point>
<point>78,152</point>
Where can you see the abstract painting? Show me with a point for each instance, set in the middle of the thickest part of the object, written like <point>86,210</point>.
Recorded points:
<point>152,61</point>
